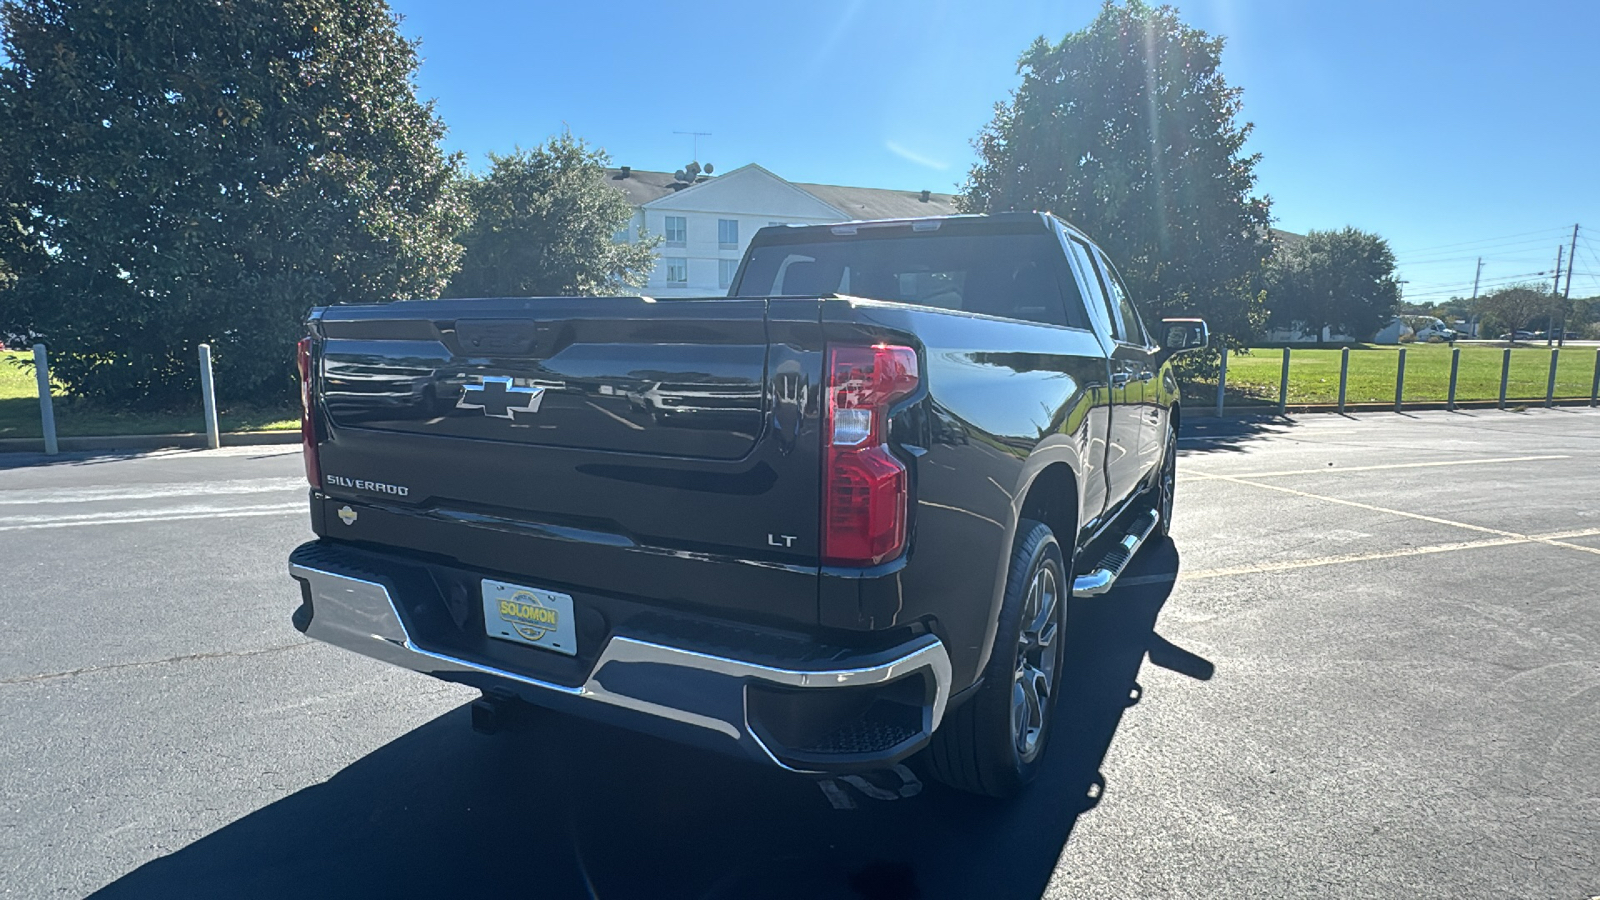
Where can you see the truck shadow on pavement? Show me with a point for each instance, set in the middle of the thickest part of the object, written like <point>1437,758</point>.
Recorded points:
<point>565,808</point>
<point>1236,432</point>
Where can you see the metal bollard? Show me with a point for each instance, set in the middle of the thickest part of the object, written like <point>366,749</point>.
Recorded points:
<point>1400,380</point>
<point>1283,385</point>
<point>1455,368</point>
<point>1594,386</point>
<point>1550,385</point>
<point>1222,379</point>
<point>1344,375</point>
<point>47,410</point>
<point>208,395</point>
<point>1505,372</point>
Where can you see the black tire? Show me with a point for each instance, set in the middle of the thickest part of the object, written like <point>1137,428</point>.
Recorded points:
<point>1167,483</point>
<point>980,747</point>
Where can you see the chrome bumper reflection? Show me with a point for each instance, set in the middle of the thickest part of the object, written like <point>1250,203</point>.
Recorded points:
<point>359,615</point>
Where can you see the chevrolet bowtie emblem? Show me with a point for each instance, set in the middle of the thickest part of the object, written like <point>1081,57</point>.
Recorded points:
<point>497,396</point>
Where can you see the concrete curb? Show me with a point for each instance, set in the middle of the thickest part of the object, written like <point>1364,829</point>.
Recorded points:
<point>189,441</point>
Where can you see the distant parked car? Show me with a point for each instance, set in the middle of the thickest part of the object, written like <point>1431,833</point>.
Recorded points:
<point>1518,336</point>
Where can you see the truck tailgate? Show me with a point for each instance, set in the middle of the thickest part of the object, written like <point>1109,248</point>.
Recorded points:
<point>616,444</point>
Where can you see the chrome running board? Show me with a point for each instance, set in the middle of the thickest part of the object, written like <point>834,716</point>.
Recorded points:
<point>1104,576</point>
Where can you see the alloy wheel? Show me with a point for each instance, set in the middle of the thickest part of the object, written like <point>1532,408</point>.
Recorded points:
<point>1037,661</point>
<point>1169,479</point>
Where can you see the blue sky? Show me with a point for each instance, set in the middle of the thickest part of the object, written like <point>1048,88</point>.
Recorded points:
<point>1454,129</point>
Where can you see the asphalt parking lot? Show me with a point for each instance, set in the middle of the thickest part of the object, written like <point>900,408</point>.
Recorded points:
<point>1367,665</point>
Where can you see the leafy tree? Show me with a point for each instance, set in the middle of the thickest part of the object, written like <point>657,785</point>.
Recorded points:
<point>1518,307</point>
<point>1128,129</point>
<point>1341,280</point>
<point>206,172</point>
<point>544,223</point>
<point>18,253</point>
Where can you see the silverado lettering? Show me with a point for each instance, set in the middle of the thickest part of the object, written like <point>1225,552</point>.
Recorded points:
<point>374,486</point>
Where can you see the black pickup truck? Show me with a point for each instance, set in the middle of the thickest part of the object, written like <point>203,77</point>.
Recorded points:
<point>825,522</point>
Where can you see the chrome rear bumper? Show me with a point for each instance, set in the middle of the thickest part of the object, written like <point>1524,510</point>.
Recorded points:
<point>706,691</point>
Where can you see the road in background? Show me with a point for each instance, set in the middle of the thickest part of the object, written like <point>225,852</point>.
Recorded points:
<point>1377,674</point>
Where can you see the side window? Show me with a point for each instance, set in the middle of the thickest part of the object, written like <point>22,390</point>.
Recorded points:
<point>677,230</point>
<point>1085,260</point>
<point>1119,294</point>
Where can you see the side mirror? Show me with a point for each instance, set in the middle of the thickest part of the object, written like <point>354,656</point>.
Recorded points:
<point>1182,336</point>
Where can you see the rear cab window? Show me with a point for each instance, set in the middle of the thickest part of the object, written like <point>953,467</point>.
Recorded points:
<point>1117,293</point>
<point>1014,276</point>
<point>1083,258</point>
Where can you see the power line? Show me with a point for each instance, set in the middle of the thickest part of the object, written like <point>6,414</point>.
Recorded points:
<point>1472,251</point>
<point>1442,279</point>
<point>1488,283</point>
<point>1562,229</point>
<point>1449,284</point>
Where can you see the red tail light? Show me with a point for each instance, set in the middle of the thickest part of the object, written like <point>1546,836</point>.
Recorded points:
<point>308,428</point>
<point>864,488</point>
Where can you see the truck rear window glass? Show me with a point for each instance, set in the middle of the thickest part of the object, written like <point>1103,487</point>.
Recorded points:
<point>1009,275</point>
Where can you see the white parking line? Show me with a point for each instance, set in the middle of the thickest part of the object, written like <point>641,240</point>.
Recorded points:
<point>601,409</point>
<point>189,489</point>
<point>1519,537</point>
<point>130,517</point>
<point>1313,562</point>
<point>1331,469</point>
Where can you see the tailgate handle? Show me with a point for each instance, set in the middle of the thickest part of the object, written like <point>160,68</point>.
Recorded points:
<point>500,337</point>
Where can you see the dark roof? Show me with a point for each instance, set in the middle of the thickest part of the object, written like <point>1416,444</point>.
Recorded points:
<point>643,186</point>
<point>1286,239</point>
<point>878,203</point>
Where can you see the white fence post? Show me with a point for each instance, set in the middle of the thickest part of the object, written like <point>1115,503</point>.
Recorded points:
<point>47,411</point>
<point>208,393</point>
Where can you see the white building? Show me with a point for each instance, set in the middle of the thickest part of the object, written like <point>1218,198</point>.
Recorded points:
<point>705,226</point>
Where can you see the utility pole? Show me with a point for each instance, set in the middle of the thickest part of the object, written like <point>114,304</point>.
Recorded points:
<point>1472,308</point>
<point>1555,288</point>
<point>1566,293</point>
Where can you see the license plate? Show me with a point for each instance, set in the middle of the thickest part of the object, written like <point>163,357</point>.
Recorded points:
<point>525,615</point>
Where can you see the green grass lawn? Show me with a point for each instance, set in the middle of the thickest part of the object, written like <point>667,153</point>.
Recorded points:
<point>1314,375</point>
<point>19,412</point>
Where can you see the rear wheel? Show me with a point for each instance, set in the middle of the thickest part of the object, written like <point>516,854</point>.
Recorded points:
<point>992,744</point>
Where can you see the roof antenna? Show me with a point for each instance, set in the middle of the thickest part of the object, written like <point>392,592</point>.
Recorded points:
<point>697,135</point>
